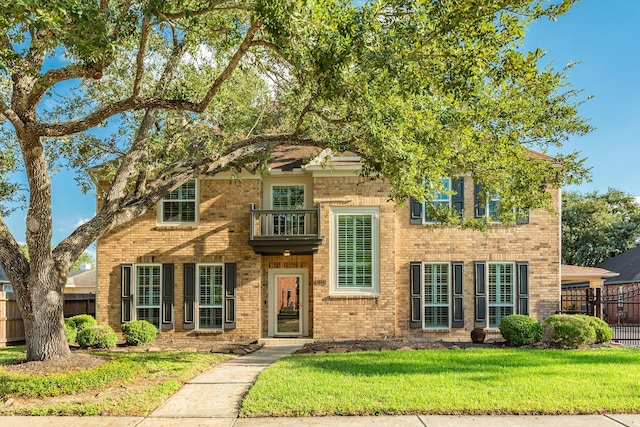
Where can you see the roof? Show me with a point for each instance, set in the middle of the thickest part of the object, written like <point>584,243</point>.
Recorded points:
<point>579,271</point>
<point>82,278</point>
<point>576,274</point>
<point>3,276</point>
<point>627,264</point>
<point>290,158</point>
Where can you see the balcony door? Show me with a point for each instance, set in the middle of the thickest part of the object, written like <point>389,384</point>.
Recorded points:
<point>288,308</point>
<point>288,198</point>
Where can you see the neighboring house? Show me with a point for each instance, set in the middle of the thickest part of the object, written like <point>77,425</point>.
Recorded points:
<point>311,249</point>
<point>581,284</point>
<point>575,276</point>
<point>622,293</point>
<point>5,285</point>
<point>82,281</point>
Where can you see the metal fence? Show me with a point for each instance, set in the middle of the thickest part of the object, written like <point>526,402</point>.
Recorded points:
<point>618,305</point>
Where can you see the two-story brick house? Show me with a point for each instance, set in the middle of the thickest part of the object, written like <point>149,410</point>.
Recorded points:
<point>311,249</point>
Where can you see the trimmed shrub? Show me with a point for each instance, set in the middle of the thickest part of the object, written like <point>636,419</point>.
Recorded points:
<point>70,330</point>
<point>570,331</point>
<point>520,330</point>
<point>100,336</point>
<point>603,331</point>
<point>139,332</point>
<point>83,321</point>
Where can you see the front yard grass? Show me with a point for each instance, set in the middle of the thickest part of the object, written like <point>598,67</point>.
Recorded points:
<point>473,381</point>
<point>127,384</point>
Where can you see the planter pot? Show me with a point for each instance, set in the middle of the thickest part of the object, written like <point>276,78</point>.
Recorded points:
<point>478,335</point>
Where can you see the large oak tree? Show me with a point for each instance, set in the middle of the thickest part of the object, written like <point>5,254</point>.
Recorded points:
<point>161,91</point>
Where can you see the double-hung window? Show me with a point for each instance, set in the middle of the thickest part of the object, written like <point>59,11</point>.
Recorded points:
<point>147,293</point>
<point>440,200</point>
<point>210,297</point>
<point>354,247</point>
<point>502,288</point>
<point>180,206</point>
<point>437,295</point>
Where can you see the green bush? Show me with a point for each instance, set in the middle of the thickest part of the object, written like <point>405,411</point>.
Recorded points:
<point>100,336</point>
<point>70,330</point>
<point>83,321</point>
<point>138,332</point>
<point>571,331</point>
<point>520,330</point>
<point>603,331</point>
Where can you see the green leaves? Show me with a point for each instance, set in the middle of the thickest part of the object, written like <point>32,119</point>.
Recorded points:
<point>596,227</point>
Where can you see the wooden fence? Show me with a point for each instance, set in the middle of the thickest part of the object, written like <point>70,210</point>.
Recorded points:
<point>11,327</point>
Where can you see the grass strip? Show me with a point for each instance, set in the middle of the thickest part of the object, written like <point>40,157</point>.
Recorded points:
<point>477,381</point>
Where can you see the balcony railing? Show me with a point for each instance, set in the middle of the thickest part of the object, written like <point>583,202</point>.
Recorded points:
<point>285,231</point>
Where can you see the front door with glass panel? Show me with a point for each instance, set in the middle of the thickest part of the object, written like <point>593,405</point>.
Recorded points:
<point>287,293</point>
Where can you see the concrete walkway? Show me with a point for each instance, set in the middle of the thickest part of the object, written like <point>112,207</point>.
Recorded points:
<point>213,399</point>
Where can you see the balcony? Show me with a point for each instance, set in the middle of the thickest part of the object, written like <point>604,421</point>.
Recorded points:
<point>285,232</point>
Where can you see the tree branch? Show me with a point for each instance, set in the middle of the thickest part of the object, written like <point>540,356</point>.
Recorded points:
<point>14,263</point>
<point>231,66</point>
<point>12,117</point>
<point>213,5</point>
<point>144,39</point>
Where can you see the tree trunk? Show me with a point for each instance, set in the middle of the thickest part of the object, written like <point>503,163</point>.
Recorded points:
<point>43,318</point>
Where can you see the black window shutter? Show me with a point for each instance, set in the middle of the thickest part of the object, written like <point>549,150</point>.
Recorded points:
<point>416,301</point>
<point>523,288</point>
<point>523,219</point>
<point>167,297</point>
<point>457,199</point>
<point>230,285</point>
<point>126,300</point>
<point>480,205</point>
<point>458,298</point>
<point>189,295</point>
<point>416,211</point>
<point>481,294</point>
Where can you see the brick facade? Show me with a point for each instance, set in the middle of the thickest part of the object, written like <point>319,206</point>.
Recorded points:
<point>222,233</point>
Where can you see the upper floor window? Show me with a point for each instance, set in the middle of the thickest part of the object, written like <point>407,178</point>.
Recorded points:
<point>450,196</point>
<point>180,206</point>
<point>354,247</point>
<point>489,207</point>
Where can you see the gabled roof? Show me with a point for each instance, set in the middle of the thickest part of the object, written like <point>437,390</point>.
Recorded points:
<point>579,271</point>
<point>627,264</point>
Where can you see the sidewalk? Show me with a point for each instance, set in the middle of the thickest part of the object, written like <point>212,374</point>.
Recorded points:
<point>213,399</point>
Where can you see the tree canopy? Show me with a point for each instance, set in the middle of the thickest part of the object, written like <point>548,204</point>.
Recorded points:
<point>597,226</point>
<point>161,91</point>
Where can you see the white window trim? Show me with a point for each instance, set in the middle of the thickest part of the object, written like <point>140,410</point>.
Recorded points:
<point>288,184</point>
<point>160,209</point>
<point>196,313</point>
<point>134,294</point>
<point>335,212</point>
<point>426,220</point>
<point>514,294</point>
<point>449,296</point>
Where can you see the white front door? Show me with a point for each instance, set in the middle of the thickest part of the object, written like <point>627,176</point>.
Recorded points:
<point>288,309</point>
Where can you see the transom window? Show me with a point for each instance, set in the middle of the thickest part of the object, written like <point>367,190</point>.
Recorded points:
<point>436,295</point>
<point>355,250</point>
<point>501,281</point>
<point>147,296</point>
<point>210,298</point>
<point>180,205</point>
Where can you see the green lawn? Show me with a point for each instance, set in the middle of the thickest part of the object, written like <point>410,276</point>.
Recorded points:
<point>128,384</point>
<point>475,381</point>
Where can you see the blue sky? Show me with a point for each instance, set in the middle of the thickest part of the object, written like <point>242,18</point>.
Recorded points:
<point>603,34</point>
